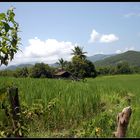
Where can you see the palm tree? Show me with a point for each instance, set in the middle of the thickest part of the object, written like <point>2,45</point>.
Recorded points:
<point>77,51</point>
<point>61,62</point>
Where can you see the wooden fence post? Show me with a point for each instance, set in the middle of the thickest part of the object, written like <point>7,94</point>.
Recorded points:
<point>122,122</point>
<point>14,101</point>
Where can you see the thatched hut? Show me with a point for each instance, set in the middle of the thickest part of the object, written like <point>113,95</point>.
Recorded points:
<point>62,74</point>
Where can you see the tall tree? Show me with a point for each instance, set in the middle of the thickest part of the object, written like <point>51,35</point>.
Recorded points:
<point>61,62</point>
<point>40,70</point>
<point>78,51</point>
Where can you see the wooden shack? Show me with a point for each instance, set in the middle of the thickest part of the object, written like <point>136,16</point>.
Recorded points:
<point>62,74</point>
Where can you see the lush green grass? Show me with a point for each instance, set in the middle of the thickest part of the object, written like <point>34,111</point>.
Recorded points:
<point>76,109</point>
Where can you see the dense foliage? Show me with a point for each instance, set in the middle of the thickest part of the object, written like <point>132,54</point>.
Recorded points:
<point>40,70</point>
<point>79,67</point>
<point>9,39</point>
<point>120,68</point>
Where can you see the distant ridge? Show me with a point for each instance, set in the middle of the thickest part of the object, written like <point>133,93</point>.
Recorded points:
<point>97,57</point>
<point>132,57</point>
<point>14,67</point>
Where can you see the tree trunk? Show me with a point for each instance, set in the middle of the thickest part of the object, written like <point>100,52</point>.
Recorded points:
<point>122,122</point>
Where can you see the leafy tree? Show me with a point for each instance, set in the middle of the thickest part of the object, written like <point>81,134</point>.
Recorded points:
<point>112,70</point>
<point>136,69</point>
<point>49,71</point>
<point>123,68</point>
<point>104,70</point>
<point>9,39</point>
<point>78,67</point>
<point>6,73</point>
<point>90,70</point>
<point>120,68</point>
<point>21,72</point>
<point>69,66</point>
<point>81,68</point>
<point>40,70</point>
<point>62,63</point>
<point>77,51</point>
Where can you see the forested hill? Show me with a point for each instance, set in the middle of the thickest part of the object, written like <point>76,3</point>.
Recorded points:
<point>98,57</point>
<point>132,57</point>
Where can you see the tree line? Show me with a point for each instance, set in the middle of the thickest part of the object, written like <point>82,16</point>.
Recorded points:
<point>79,67</point>
<point>120,68</point>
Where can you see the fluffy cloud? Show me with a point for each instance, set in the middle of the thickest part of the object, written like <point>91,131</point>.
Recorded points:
<point>102,38</point>
<point>118,51</point>
<point>132,15</point>
<point>94,36</point>
<point>108,38</point>
<point>48,51</point>
<point>124,50</point>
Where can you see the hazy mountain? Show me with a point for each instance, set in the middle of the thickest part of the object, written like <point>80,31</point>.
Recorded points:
<point>13,67</point>
<point>54,65</point>
<point>97,57</point>
<point>132,57</point>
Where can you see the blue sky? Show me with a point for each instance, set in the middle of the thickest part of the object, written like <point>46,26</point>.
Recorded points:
<point>49,30</point>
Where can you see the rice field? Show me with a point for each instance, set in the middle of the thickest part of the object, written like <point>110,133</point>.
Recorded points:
<point>68,108</point>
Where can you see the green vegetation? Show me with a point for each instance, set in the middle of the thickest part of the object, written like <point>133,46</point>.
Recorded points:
<point>131,57</point>
<point>120,68</point>
<point>9,39</point>
<point>62,63</point>
<point>40,70</point>
<point>79,67</point>
<point>98,57</point>
<point>65,108</point>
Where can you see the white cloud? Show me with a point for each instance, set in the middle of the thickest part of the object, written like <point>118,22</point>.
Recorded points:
<point>128,49</point>
<point>102,38</point>
<point>132,15</point>
<point>48,51</point>
<point>118,51</point>
<point>124,50</point>
<point>94,36</point>
<point>108,38</point>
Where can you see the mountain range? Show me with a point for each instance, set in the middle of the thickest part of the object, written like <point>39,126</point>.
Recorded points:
<point>98,57</point>
<point>132,57</point>
<point>14,67</point>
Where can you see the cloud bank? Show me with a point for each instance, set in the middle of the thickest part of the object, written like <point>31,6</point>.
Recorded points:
<point>48,51</point>
<point>102,38</point>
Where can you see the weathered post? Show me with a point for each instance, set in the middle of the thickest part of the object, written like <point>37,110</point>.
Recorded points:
<point>122,122</point>
<point>14,101</point>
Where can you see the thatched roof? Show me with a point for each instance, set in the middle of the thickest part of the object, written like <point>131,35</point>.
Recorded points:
<point>61,73</point>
